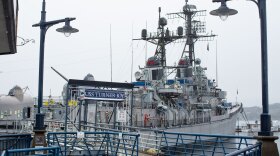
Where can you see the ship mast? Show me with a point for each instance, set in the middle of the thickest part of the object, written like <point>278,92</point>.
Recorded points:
<point>194,29</point>
<point>161,38</point>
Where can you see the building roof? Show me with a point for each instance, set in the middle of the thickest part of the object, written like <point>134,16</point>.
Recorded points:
<point>8,34</point>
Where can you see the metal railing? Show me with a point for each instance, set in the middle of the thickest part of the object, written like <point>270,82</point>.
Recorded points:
<point>152,142</point>
<point>253,150</point>
<point>94,143</point>
<point>42,151</point>
<point>203,144</point>
<point>14,141</point>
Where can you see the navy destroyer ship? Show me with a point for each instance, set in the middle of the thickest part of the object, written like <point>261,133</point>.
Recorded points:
<point>181,98</point>
<point>177,98</point>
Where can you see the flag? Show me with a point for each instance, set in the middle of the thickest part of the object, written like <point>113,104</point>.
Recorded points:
<point>237,92</point>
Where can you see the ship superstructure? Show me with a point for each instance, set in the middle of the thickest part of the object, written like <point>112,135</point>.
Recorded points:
<point>190,97</point>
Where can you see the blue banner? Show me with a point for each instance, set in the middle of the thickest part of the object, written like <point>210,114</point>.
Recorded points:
<point>109,95</point>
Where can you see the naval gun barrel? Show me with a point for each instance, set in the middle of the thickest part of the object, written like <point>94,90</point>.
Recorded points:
<point>60,74</point>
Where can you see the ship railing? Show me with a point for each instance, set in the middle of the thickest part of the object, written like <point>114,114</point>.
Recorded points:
<point>94,143</point>
<point>219,117</point>
<point>42,151</point>
<point>203,93</point>
<point>204,144</point>
<point>16,126</point>
<point>14,141</point>
<point>26,125</point>
<point>235,109</point>
<point>125,128</point>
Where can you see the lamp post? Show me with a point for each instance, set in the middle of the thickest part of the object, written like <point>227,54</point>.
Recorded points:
<point>265,133</point>
<point>44,26</point>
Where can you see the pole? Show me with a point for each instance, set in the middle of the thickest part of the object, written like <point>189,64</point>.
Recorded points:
<point>265,116</point>
<point>131,56</point>
<point>131,108</point>
<point>39,128</point>
<point>41,59</point>
<point>111,63</point>
<point>44,25</point>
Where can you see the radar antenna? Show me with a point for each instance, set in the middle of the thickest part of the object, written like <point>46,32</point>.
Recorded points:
<point>195,28</point>
<point>161,38</point>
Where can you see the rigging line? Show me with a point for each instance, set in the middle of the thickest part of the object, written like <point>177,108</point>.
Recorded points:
<point>124,64</point>
<point>173,56</point>
<point>124,68</point>
<point>137,43</point>
<point>246,116</point>
<point>140,53</point>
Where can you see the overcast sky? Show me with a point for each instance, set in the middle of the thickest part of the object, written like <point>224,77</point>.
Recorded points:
<point>238,45</point>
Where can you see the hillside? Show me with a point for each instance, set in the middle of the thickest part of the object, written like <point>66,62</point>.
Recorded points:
<point>253,113</point>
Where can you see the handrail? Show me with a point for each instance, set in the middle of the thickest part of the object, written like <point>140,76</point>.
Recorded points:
<point>105,132</point>
<point>14,141</point>
<point>208,135</point>
<point>194,143</point>
<point>55,150</point>
<point>245,150</point>
<point>95,143</point>
<point>15,135</point>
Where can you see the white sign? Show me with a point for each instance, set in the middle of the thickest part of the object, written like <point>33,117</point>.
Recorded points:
<point>103,94</point>
<point>121,115</point>
<point>80,135</point>
<point>120,136</point>
<point>39,152</point>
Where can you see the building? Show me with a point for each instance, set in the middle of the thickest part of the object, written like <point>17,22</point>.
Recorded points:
<point>8,26</point>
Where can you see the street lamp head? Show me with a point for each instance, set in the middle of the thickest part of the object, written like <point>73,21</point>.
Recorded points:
<point>67,29</point>
<point>223,11</point>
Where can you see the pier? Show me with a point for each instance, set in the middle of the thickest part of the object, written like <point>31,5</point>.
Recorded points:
<point>131,144</point>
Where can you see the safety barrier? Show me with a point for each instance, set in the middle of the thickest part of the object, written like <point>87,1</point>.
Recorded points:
<point>14,141</point>
<point>253,150</point>
<point>203,144</point>
<point>94,143</point>
<point>43,151</point>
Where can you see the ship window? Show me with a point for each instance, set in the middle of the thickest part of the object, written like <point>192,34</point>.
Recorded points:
<point>154,74</point>
<point>28,112</point>
<point>178,73</point>
<point>19,113</point>
<point>157,74</point>
<point>194,88</point>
